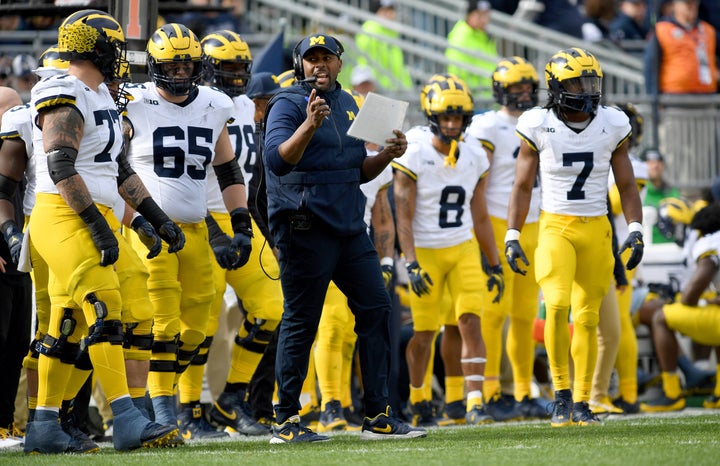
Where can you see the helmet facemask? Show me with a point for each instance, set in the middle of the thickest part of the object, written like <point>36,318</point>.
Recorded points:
<point>164,75</point>
<point>579,94</point>
<point>230,76</point>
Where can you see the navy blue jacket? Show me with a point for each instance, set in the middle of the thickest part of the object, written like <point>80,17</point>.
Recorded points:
<point>327,179</point>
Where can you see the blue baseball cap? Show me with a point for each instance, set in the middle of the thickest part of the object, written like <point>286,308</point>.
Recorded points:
<point>260,84</point>
<point>323,41</point>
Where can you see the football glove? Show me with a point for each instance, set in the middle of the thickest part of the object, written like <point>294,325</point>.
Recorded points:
<point>168,230</point>
<point>420,281</point>
<point>147,235</point>
<point>496,280</point>
<point>102,236</point>
<point>513,252</point>
<point>242,239</point>
<point>387,272</point>
<point>14,238</point>
<point>634,242</point>
<point>221,244</point>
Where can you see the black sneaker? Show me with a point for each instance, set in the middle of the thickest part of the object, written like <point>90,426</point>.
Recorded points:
<point>453,414</point>
<point>561,409</point>
<point>477,416</point>
<point>533,408</point>
<point>385,426</point>
<point>583,416</point>
<point>332,417</point>
<point>292,431</point>
<point>193,425</point>
<point>627,408</point>
<point>229,411</point>
<point>502,409</point>
<point>422,414</point>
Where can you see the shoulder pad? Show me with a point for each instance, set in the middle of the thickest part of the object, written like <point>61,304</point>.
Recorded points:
<point>534,117</point>
<point>616,117</point>
<point>484,120</point>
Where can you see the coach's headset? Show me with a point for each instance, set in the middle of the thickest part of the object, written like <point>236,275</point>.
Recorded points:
<point>297,58</point>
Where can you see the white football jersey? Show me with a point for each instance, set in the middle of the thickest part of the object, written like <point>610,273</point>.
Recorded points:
<point>496,132</point>
<point>371,188</point>
<point>173,145</point>
<point>242,137</point>
<point>574,166</point>
<point>17,123</point>
<point>442,207</point>
<point>708,245</point>
<point>102,137</point>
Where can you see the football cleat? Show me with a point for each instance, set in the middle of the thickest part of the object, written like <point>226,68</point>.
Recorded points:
<point>604,406</point>
<point>583,416</point>
<point>193,425</point>
<point>562,407</point>
<point>712,402</point>
<point>332,417</point>
<point>67,422</point>
<point>477,416</point>
<point>157,436</point>
<point>422,414</point>
<point>533,408</point>
<point>229,410</point>
<point>626,407</point>
<point>292,431</point>
<point>453,414</point>
<point>386,426</point>
<point>663,404</point>
<point>502,409</point>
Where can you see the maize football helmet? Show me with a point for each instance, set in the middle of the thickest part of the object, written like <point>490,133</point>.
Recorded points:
<point>446,95</point>
<point>96,36</point>
<point>574,81</point>
<point>51,63</point>
<point>170,46</point>
<point>227,62</point>
<point>674,214</point>
<point>509,72</point>
<point>636,122</point>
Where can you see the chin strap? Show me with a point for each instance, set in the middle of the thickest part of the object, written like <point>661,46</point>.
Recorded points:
<point>451,158</point>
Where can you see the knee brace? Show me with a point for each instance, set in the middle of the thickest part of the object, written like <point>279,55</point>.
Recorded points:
<point>102,330</point>
<point>201,357</point>
<point>167,347</point>
<point>184,357</point>
<point>137,346</point>
<point>257,339</point>
<point>30,361</point>
<point>59,347</point>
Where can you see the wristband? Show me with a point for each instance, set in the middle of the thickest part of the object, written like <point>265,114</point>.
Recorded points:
<point>387,261</point>
<point>512,235</point>
<point>635,227</point>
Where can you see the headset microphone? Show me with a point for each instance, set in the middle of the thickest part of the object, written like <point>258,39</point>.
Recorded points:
<point>310,79</point>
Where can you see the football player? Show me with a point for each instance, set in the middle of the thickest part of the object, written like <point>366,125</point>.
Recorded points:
<point>77,144</point>
<point>515,84</point>
<point>228,64</point>
<point>572,144</point>
<point>439,200</point>
<point>179,128</point>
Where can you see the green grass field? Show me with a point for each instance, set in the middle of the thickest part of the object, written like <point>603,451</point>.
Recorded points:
<point>691,437</point>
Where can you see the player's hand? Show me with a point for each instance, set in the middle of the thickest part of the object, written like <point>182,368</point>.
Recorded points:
<point>173,235</point>
<point>420,281</point>
<point>14,238</point>
<point>387,272</point>
<point>104,240</point>
<point>513,252</point>
<point>634,242</point>
<point>241,246</point>
<point>147,235</point>
<point>496,280</point>
<point>222,248</point>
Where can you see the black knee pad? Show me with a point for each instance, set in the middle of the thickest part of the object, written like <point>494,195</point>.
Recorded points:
<point>201,358</point>
<point>257,339</point>
<point>141,342</point>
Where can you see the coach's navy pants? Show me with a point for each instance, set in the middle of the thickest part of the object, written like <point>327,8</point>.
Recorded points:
<point>308,261</point>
